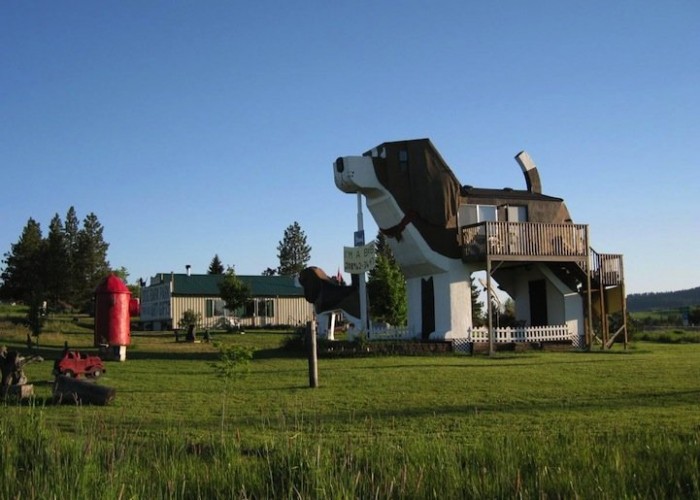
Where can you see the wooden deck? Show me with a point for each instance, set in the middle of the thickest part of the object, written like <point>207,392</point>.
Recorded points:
<point>524,241</point>
<point>531,241</point>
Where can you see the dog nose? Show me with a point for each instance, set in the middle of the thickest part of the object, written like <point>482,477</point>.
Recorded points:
<point>339,165</point>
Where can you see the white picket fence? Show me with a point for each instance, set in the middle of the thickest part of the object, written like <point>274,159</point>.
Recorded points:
<point>521,334</point>
<point>481,334</point>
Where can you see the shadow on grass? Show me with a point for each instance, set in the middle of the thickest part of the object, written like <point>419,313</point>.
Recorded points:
<point>557,408</point>
<point>170,355</point>
<point>278,353</point>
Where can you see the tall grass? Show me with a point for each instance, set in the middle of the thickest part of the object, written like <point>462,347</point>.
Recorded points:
<point>38,464</point>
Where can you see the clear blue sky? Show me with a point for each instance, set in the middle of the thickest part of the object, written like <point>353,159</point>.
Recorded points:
<point>195,128</point>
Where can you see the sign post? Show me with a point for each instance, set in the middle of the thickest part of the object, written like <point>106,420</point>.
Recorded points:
<point>358,260</point>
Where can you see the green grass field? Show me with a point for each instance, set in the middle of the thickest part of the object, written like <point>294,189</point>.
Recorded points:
<point>536,424</point>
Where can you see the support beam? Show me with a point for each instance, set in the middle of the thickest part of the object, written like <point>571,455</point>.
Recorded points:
<point>489,307</point>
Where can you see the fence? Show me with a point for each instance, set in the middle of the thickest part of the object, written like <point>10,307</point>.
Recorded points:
<point>402,333</point>
<point>500,335</point>
<point>521,334</point>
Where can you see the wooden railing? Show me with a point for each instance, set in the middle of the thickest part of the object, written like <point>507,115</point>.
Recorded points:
<point>525,239</point>
<point>607,267</point>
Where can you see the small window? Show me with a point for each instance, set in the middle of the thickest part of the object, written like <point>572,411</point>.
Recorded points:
<point>267,308</point>
<point>515,213</point>
<point>487,213</point>
<point>403,160</point>
<point>219,306</point>
<point>473,214</point>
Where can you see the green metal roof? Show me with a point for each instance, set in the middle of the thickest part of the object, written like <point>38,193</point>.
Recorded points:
<point>260,286</point>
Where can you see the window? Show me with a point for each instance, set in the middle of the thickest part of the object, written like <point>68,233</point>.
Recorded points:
<point>487,213</point>
<point>214,307</point>
<point>259,307</point>
<point>403,160</point>
<point>516,213</point>
<point>473,214</point>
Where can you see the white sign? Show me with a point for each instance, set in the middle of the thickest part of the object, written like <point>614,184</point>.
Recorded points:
<point>358,260</point>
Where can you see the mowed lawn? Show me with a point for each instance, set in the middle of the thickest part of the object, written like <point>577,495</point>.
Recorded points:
<point>527,424</point>
<point>164,384</point>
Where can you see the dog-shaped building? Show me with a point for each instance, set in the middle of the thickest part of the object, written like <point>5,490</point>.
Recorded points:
<point>439,233</point>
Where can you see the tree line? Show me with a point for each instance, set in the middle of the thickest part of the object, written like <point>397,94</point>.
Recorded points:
<point>63,269</point>
<point>58,271</point>
<point>663,300</point>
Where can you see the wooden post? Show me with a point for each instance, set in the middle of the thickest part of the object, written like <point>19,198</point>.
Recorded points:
<point>589,298</point>
<point>488,303</point>
<point>624,300</point>
<point>603,314</point>
<point>313,354</point>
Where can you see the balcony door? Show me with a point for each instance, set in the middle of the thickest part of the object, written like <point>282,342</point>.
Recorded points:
<point>538,302</point>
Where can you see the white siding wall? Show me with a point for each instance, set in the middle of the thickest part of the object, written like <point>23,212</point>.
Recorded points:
<point>287,311</point>
<point>292,311</point>
<point>182,304</point>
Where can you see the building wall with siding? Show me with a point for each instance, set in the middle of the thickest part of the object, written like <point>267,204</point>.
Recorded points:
<point>286,311</point>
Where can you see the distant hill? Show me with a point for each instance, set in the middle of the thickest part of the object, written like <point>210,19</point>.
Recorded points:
<point>663,300</point>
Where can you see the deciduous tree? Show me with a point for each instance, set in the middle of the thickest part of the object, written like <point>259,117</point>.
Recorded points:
<point>233,291</point>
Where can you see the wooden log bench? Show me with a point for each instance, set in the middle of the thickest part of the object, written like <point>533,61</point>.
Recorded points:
<point>68,390</point>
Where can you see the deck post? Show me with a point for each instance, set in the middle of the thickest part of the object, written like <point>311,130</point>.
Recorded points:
<point>589,302</point>
<point>624,300</point>
<point>489,307</point>
<point>605,334</point>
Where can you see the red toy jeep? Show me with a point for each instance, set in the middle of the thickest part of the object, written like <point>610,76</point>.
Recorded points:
<point>74,364</point>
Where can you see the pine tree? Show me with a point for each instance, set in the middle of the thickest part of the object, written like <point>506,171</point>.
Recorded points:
<point>71,228</point>
<point>293,252</point>
<point>386,287</point>
<point>269,272</point>
<point>215,267</point>
<point>90,266</point>
<point>57,263</point>
<point>22,277</point>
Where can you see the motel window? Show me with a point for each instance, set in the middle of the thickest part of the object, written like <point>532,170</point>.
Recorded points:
<point>214,307</point>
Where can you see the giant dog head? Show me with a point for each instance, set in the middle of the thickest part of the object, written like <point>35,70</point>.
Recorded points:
<point>326,295</point>
<point>414,174</point>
